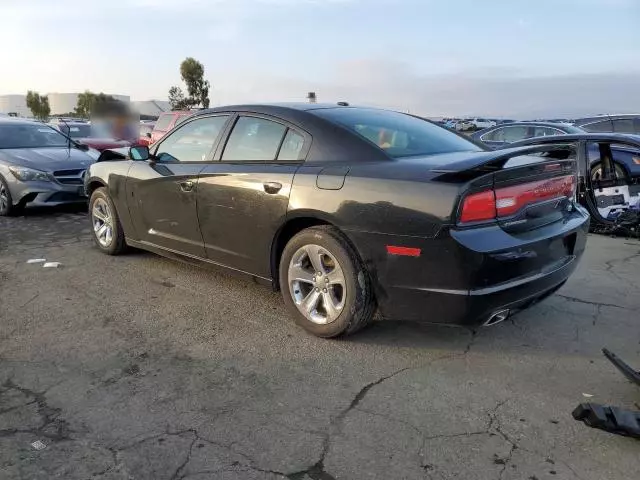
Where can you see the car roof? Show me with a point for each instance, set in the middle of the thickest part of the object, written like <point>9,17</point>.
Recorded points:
<point>535,123</point>
<point>599,118</point>
<point>573,137</point>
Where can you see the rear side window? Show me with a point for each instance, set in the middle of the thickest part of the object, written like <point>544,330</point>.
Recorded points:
<point>514,134</point>
<point>546,131</point>
<point>253,140</point>
<point>399,135</point>
<point>164,121</point>
<point>603,126</point>
<point>624,125</point>
<point>291,146</point>
<point>496,135</point>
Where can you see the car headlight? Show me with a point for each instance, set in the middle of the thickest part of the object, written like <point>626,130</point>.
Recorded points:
<point>29,174</point>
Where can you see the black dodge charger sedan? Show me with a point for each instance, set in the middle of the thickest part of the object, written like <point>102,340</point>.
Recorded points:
<point>348,209</point>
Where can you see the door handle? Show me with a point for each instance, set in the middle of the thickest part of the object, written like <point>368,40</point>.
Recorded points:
<point>186,186</point>
<point>272,187</point>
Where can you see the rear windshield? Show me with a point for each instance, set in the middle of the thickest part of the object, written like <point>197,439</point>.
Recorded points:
<point>76,131</point>
<point>164,121</point>
<point>399,135</point>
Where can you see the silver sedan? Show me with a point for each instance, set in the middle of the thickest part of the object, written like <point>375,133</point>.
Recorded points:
<point>39,166</point>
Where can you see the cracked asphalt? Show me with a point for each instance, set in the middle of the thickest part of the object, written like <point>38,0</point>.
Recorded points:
<point>136,367</point>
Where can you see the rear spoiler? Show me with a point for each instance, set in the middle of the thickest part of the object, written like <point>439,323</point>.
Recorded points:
<point>495,160</point>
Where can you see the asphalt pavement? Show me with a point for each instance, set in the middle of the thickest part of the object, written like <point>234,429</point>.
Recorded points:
<point>137,367</point>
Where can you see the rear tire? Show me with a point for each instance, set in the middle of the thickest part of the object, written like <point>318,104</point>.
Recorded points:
<point>338,299</point>
<point>7,208</point>
<point>108,234</point>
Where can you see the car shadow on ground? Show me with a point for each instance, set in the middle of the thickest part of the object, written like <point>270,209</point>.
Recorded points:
<point>33,212</point>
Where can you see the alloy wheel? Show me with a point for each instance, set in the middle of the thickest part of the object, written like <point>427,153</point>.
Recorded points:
<point>317,284</point>
<point>102,222</point>
<point>4,198</point>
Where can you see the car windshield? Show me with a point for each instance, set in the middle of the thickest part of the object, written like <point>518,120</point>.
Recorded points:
<point>24,135</point>
<point>398,134</point>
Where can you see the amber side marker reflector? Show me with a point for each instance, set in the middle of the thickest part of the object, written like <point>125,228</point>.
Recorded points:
<point>405,251</point>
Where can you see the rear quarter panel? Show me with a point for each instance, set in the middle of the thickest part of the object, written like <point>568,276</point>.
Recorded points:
<point>381,205</point>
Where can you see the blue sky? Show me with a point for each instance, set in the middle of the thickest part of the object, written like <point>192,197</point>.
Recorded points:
<point>435,57</point>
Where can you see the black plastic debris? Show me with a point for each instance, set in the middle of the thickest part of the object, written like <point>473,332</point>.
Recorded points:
<point>610,419</point>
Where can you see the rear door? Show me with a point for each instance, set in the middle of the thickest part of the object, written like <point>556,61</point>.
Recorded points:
<point>243,198</point>
<point>162,192</point>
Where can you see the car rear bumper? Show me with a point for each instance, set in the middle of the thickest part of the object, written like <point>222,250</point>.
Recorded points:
<point>465,277</point>
<point>476,307</point>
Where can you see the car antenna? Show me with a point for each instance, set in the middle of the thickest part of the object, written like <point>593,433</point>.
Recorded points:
<point>68,135</point>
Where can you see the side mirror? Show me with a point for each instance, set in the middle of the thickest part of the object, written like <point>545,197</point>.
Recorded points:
<point>139,152</point>
<point>82,147</point>
<point>148,134</point>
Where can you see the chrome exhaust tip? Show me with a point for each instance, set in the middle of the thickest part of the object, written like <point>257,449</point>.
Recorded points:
<point>497,317</point>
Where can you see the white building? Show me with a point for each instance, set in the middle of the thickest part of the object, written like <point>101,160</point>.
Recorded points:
<point>14,104</point>
<point>59,103</point>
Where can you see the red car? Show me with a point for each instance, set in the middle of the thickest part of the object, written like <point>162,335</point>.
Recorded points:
<point>91,135</point>
<point>145,133</point>
<point>166,122</point>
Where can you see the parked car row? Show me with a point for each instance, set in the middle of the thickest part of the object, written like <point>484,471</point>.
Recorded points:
<point>627,161</point>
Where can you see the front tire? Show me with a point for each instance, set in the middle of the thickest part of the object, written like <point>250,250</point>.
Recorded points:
<point>324,283</point>
<point>7,208</point>
<point>108,234</point>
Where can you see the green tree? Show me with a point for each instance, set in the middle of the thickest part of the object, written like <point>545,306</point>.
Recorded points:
<point>38,104</point>
<point>88,102</point>
<point>177,99</point>
<point>84,106</point>
<point>192,73</point>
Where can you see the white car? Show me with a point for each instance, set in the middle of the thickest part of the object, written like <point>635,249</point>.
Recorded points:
<point>480,123</point>
<point>464,126</point>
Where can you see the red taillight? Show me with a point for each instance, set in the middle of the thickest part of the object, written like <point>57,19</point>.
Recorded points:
<point>507,201</point>
<point>478,207</point>
<point>510,200</point>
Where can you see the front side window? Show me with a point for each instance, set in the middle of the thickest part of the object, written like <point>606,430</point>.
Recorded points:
<point>399,135</point>
<point>192,142</point>
<point>30,136</point>
<point>253,140</point>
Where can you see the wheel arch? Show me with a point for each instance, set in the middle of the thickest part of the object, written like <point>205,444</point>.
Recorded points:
<point>93,184</point>
<point>293,224</point>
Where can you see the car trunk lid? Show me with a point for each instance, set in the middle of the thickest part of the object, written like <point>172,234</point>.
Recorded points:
<point>513,188</point>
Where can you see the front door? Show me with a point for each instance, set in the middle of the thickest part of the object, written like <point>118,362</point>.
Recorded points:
<point>162,192</point>
<point>243,198</point>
